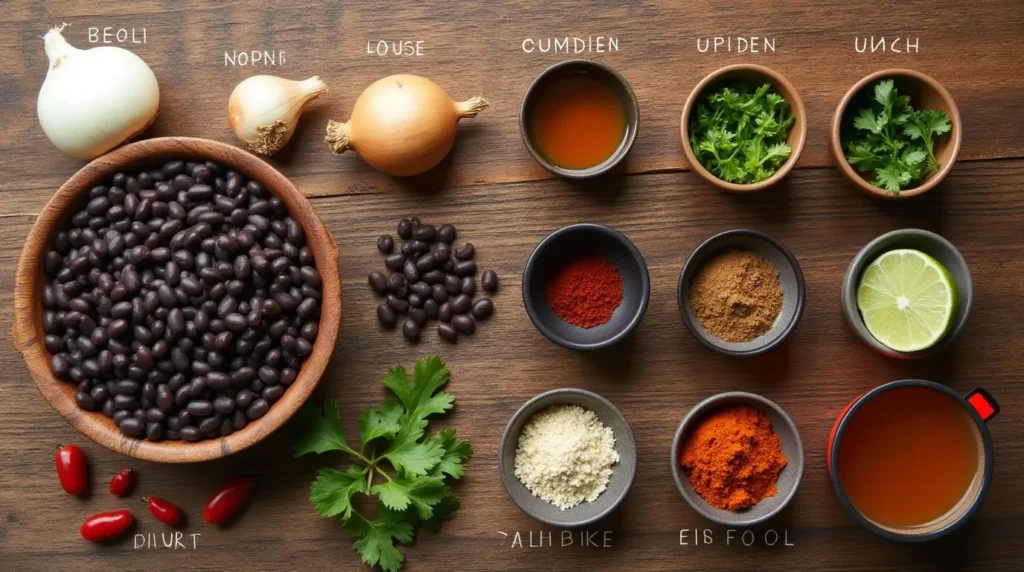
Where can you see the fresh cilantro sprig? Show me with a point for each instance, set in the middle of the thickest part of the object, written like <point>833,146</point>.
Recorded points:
<point>894,140</point>
<point>397,461</point>
<point>739,136</point>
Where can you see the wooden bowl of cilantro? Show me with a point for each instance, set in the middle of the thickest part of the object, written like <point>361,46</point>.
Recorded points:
<point>896,134</point>
<point>743,128</point>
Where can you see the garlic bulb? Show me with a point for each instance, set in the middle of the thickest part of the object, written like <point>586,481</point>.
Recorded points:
<point>263,110</point>
<point>94,100</point>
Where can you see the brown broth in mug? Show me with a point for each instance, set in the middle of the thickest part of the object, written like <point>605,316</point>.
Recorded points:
<point>578,122</point>
<point>908,456</point>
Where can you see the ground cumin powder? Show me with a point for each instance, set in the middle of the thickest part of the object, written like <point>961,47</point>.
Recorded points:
<point>733,458</point>
<point>736,296</point>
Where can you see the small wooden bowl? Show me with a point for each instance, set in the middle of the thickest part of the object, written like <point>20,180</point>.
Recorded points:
<point>925,93</point>
<point>30,279</point>
<point>753,75</point>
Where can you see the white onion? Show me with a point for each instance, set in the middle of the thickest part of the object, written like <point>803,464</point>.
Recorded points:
<point>263,110</point>
<point>94,100</point>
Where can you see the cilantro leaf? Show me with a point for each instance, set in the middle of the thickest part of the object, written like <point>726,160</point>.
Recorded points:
<point>332,491</point>
<point>411,468</point>
<point>318,431</point>
<point>894,141</point>
<point>418,397</point>
<point>383,422</point>
<point>455,454</point>
<point>376,538</point>
<point>410,457</point>
<point>422,493</point>
<point>739,135</point>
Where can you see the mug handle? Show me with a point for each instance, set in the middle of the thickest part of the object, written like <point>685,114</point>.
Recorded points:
<point>983,403</point>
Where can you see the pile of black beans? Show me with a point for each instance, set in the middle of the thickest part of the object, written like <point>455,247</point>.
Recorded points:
<point>182,301</point>
<point>430,278</point>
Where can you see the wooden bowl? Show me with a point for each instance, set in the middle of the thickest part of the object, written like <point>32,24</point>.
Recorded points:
<point>753,75</point>
<point>925,93</point>
<point>30,278</point>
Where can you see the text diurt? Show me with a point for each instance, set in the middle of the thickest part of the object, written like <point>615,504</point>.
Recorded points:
<point>176,540</point>
<point>735,537</point>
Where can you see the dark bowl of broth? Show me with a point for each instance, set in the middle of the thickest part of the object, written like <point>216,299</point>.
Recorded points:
<point>579,118</point>
<point>912,460</point>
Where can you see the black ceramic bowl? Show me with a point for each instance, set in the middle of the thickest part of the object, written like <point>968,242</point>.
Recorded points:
<point>790,276</point>
<point>571,243</point>
<point>605,75</point>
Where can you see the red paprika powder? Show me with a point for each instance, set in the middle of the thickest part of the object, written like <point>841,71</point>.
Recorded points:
<point>585,292</point>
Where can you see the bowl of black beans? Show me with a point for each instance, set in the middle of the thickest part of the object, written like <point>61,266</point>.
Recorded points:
<point>177,300</point>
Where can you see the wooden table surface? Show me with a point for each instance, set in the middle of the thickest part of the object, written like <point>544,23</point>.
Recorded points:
<point>502,201</point>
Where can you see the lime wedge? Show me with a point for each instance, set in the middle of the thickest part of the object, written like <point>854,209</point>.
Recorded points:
<point>907,300</point>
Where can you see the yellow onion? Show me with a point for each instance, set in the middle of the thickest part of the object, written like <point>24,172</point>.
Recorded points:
<point>402,125</point>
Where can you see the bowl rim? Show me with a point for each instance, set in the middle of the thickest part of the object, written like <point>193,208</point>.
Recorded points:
<point>506,437</point>
<point>856,267</point>
<point>690,268</point>
<point>797,107</point>
<point>698,411</point>
<point>836,145</point>
<point>843,421</point>
<point>28,306</point>
<point>645,280</point>
<point>632,122</point>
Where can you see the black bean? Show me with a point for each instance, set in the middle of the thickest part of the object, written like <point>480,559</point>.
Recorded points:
<point>425,263</point>
<point>444,312</point>
<point>404,229</point>
<point>258,409</point>
<point>386,315</point>
<point>154,431</point>
<point>483,309</point>
<point>415,300</point>
<point>85,401</point>
<point>441,251</point>
<point>412,274</point>
<point>464,323</point>
<point>133,427</point>
<point>489,281</point>
<point>411,330</point>
<point>430,307</point>
<point>469,286</point>
<point>465,268</point>
<point>190,433</point>
<point>453,284</point>
<point>210,424</point>
<point>418,315</point>
<point>465,252</point>
<point>426,233</point>
<point>447,332</point>
<point>446,233</point>
<point>395,262</point>
<point>386,244</point>
<point>378,283</point>
<point>310,276</point>
<point>461,304</point>
<point>434,277</point>
<point>396,282</point>
<point>397,304</point>
<point>421,288</point>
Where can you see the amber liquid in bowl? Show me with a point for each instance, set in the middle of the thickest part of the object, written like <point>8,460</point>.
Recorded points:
<point>578,122</point>
<point>908,457</point>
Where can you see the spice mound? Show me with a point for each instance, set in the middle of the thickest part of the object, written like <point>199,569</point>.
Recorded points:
<point>736,296</point>
<point>565,455</point>
<point>733,458</point>
<point>585,292</point>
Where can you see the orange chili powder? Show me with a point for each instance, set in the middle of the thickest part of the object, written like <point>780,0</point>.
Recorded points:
<point>733,458</point>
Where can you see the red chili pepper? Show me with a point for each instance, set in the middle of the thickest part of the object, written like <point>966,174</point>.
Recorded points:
<point>226,501</point>
<point>164,511</point>
<point>72,469</point>
<point>122,483</point>
<point>106,525</point>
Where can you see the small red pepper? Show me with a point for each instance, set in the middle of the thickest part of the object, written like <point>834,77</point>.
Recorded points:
<point>72,469</point>
<point>226,501</point>
<point>106,525</point>
<point>164,511</point>
<point>122,483</point>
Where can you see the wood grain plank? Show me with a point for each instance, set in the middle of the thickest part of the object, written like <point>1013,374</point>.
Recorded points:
<point>654,377</point>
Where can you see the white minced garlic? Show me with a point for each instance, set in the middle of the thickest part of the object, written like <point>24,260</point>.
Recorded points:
<point>565,455</point>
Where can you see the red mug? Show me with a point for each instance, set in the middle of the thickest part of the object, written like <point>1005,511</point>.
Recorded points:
<point>979,406</point>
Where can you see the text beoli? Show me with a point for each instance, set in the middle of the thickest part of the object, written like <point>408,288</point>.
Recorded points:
<point>112,35</point>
